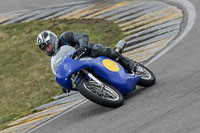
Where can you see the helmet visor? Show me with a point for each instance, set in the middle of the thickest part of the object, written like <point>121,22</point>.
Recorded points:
<point>49,47</point>
<point>42,46</point>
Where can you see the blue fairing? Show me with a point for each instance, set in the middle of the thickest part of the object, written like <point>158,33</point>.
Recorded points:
<point>120,80</point>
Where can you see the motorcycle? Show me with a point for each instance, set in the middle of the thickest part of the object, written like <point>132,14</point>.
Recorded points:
<point>101,80</point>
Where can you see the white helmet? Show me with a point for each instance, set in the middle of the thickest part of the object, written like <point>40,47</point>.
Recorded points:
<point>48,42</point>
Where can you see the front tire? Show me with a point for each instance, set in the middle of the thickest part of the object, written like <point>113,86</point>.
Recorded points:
<point>106,96</point>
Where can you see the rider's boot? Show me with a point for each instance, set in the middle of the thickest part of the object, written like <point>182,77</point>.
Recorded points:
<point>127,63</point>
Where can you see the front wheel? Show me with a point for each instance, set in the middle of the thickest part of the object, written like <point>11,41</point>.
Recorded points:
<point>147,76</point>
<point>104,94</point>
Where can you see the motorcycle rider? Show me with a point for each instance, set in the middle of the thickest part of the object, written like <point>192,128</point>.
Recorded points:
<point>49,43</point>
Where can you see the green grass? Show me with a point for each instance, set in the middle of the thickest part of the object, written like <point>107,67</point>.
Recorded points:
<point>26,80</point>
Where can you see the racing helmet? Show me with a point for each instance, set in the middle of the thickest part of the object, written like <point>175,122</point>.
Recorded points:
<point>47,41</point>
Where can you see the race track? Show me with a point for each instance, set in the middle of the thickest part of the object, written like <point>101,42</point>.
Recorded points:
<point>8,6</point>
<point>170,106</point>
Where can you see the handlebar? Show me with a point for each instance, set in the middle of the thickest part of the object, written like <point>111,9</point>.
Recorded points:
<point>76,56</point>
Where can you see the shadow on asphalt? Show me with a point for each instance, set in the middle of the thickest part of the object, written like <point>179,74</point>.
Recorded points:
<point>137,92</point>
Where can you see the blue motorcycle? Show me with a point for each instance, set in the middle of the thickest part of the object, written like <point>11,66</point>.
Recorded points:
<point>101,80</point>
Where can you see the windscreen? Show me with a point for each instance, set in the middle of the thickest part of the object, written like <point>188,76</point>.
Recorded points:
<point>60,56</point>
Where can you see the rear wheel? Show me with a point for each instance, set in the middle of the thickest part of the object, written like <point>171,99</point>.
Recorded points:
<point>104,95</point>
<point>147,76</point>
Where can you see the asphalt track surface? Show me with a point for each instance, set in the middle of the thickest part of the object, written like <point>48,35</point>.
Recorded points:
<point>170,106</point>
<point>18,5</point>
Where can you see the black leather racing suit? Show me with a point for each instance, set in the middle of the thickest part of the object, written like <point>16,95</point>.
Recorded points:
<point>79,40</point>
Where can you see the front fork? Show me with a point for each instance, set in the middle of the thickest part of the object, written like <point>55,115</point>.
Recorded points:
<point>91,76</point>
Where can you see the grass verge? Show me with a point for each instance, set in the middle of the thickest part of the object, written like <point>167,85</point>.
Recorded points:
<point>26,80</point>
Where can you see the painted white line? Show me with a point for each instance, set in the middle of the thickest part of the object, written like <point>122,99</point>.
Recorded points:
<point>190,9</point>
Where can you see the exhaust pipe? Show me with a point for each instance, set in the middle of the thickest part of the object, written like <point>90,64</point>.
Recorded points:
<point>120,46</point>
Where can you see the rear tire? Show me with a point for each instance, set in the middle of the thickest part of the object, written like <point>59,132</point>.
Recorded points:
<point>109,97</point>
<point>147,77</point>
